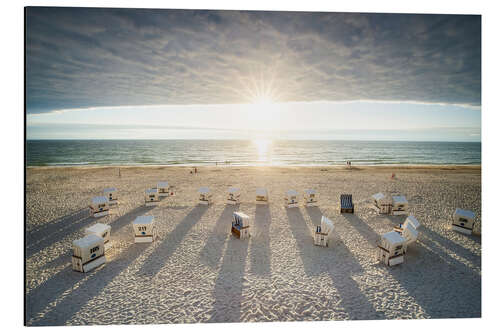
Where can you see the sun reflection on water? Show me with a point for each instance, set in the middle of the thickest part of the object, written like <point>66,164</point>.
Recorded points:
<point>262,146</point>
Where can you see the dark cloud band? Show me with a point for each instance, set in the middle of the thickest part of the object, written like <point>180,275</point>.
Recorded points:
<point>81,57</point>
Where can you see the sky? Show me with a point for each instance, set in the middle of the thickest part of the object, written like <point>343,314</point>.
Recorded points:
<point>128,73</point>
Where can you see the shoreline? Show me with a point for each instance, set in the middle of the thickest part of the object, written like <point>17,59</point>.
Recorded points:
<point>336,167</point>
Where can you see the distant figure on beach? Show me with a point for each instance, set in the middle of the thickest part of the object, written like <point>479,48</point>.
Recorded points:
<point>348,164</point>
<point>195,170</point>
<point>119,173</point>
<point>393,176</point>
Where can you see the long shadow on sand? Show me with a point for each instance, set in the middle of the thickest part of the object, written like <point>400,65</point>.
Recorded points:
<point>260,251</point>
<point>229,283</point>
<point>449,244</point>
<point>339,263</point>
<point>116,225</point>
<point>47,292</point>
<point>212,251</point>
<point>56,224</point>
<point>454,292</point>
<point>156,260</point>
<point>97,281</point>
<point>38,240</point>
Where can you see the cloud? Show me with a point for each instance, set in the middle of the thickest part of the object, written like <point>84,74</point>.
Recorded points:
<point>84,57</point>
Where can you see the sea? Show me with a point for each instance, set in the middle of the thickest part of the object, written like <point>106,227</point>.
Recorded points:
<point>248,152</point>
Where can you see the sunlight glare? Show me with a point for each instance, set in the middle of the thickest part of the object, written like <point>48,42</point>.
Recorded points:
<point>262,148</point>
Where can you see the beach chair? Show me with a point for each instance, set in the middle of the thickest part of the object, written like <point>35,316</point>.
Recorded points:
<point>205,197</point>
<point>144,229</point>
<point>233,196</point>
<point>463,221</point>
<point>381,203</point>
<point>410,220</point>
<point>346,205</point>
<point>99,206</point>
<point>390,248</point>
<point>88,253</point>
<point>101,230</point>
<point>291,199</point>
<point>410,234</point>
<point>323,232</point>
<point>240,226</point>
<point>163,189</point>
<point>310,198</point>
<point>151,197</point>
<point>261,196</point>
<point>112,194</point>
<point>399,205</point>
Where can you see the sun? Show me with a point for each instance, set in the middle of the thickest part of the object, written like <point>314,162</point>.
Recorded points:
<point>263,100</point>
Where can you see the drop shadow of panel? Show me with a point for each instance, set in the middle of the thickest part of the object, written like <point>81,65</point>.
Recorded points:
<point>57,234</point>
<point>78,298</point>
<point>449,244</point>
<point>336,260</point>
<point>260,247</point>
<point>228,288</point>
<point>453,292</point>
<point>154,263</point>
<point>212,251</point>
<point>116,225</point>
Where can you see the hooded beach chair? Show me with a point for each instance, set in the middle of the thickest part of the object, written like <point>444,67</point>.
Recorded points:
<point>240,225</point>
<point>323,232</point>
<point>310,198</point>
<point>205,197</point>
<point>291,199</point>
<point>463,221</point>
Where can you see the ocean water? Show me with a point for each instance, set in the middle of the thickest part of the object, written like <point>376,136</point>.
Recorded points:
<point>242,152</point>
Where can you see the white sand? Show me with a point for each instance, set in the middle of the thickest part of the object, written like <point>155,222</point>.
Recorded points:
<point>197,272</point>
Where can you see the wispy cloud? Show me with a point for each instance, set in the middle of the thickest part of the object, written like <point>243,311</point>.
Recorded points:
<point>83,58</point>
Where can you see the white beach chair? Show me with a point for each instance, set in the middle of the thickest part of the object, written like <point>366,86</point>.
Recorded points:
<point>323,232</point>
<point>463,221</point>
<point>291,199</point>
<point>240,225</point>
<point>376,198</point>
<point>413,221</point>
<point>390,249</point>
<point>261,196</point>
<point>310,198</point>
<point>410,220</point>
<point>99,206</point>
<point>151,197</point>
<point>205,197</point>
<point>101,230</point>
<point>88,253</point>
<point>410,234</point>
<point>408,230</point>
<point>163,189</point>
<point>400,205</point>
<point>233,196</point>
<point>381,203</point>
<point>144,229</point>
<point>112,194</point>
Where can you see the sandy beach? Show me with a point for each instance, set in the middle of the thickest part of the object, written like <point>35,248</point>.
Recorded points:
<point>197,272</point>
